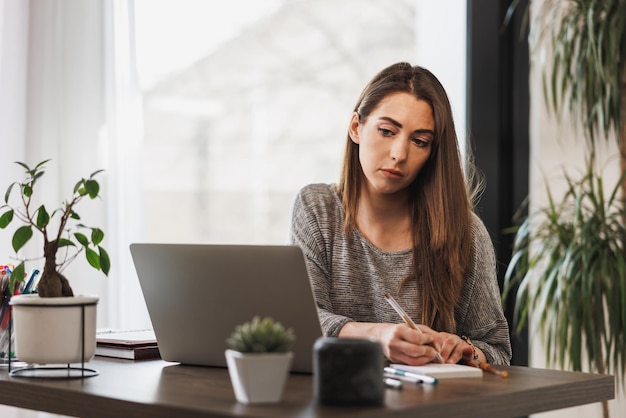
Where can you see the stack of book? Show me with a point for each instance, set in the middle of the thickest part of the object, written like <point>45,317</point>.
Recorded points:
<point>132,345</point>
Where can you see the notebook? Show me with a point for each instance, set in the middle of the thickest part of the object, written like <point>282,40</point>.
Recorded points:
<point>196,294</point>
<point>442,371</point>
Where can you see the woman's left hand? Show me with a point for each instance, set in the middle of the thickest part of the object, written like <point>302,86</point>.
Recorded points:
<point>452,348</point>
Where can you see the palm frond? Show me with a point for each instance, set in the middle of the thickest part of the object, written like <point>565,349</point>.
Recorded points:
<point>569,269</point>
<point>589,60</point>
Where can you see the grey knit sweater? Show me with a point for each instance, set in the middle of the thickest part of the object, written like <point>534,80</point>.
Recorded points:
<point>350,276</point>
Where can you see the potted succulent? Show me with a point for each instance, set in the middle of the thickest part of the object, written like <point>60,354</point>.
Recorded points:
<point>258,360</point>
<point>64,238</point>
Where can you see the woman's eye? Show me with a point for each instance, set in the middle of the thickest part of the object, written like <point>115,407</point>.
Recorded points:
<point>385,132</point>
<point>422,143</point>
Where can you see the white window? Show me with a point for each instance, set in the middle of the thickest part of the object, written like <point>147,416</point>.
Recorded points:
<point>207,115</point>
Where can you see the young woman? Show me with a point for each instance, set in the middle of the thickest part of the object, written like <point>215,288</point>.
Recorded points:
<point>401,221</point>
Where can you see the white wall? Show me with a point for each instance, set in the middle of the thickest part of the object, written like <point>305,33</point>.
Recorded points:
<point>441,48</point>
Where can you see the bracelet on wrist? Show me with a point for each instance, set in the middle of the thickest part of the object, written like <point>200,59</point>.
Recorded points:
<point>468,341</point>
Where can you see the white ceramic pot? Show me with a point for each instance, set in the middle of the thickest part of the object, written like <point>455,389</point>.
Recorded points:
<point>51,331</point>
<point>258,378</point>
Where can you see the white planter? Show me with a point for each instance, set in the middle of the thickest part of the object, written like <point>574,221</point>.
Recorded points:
<point>258,378</point>
<point>50,330</point>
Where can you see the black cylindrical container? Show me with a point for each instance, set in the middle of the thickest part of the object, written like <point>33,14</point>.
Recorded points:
<point>348,371</point>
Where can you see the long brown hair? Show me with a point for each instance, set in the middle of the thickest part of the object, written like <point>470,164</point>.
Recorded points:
<point>439,201</point>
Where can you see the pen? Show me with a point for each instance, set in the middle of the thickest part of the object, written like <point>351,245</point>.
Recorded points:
<point>403,378</point>
<point>31,281</point>
<point>488,368</point>
<point>392,383</point>
<point>417,377</point>
<point>483,365</point>
<point>407,319</point>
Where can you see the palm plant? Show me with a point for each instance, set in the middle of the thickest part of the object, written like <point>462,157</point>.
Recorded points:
<point>569,258</point>
<point>588,73</point>
<point>569,266</point>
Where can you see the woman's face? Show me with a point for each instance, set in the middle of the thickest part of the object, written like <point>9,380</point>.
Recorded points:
<point>395,141</point>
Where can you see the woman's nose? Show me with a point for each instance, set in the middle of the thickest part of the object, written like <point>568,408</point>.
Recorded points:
<point>399,149</point>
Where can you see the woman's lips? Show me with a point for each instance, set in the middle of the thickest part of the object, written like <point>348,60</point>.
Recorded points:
<point>390,172</point>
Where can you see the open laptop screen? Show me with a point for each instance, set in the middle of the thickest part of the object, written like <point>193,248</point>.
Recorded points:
<point>196,294</point>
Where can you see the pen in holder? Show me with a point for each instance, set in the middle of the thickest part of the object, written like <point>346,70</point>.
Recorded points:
<point>7,335</point>
<point>348,371</point>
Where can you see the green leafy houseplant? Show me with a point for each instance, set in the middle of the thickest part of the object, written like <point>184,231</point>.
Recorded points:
<point>587,71</point>
<point>261,336</point>
<point>569,263</point>
<point>60,230</point>
<point>568,257</point>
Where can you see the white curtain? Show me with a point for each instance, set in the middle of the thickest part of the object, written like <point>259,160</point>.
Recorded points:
<point>123,134</point>
<point>69,94</point>
<point>13,71</point>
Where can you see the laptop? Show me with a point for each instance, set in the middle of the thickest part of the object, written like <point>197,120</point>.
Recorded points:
<point>196,294</point>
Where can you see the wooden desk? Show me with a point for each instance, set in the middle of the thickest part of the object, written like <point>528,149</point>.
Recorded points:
<point>159,389</point>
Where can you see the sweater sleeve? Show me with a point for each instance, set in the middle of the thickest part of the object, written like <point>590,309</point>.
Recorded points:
<point>479,312</point>
<point>311,230</point>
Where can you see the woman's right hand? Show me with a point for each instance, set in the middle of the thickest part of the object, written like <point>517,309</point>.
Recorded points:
<point>400,343</point>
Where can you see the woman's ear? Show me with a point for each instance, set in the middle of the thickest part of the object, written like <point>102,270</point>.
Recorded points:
<point>353,129</point>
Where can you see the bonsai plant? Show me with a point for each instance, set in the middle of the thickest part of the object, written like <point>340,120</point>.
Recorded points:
<point>36,326</point>
<point>63,235</point>
<point>569,257</point>
<point>259,359</point>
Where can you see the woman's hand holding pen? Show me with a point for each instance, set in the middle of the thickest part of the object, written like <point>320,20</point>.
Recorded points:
<point>401,344</point>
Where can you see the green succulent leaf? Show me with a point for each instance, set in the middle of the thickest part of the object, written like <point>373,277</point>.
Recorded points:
<point>261,336</point>
<point>21,237</point>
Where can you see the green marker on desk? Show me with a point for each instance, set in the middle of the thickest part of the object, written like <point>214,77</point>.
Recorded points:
<point>417,378</point>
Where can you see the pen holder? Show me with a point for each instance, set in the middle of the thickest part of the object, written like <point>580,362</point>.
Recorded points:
<point>7,332</point>
<point>7,348</point>
<point>348,371</point>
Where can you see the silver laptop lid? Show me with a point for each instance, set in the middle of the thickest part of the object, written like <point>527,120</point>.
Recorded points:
<point>196,294</point>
